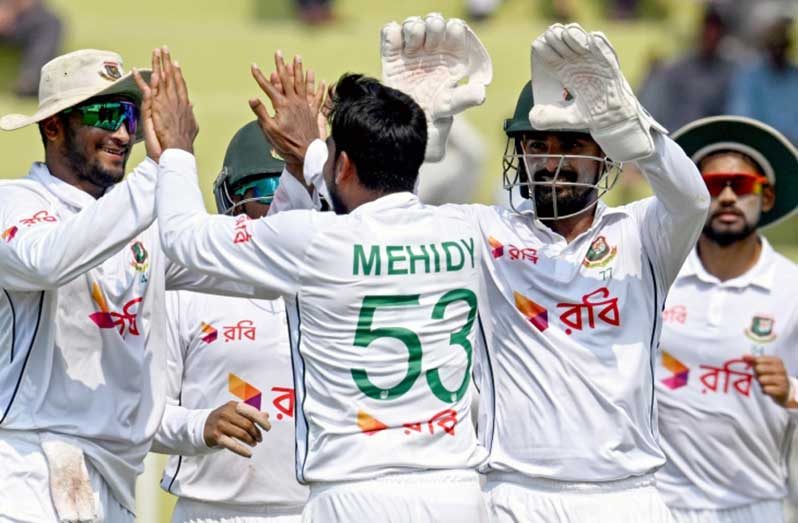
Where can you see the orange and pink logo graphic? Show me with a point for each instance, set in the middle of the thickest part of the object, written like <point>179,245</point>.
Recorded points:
<point>9,233</point>
<point>209,334</point>
<point>680,372</point>
<point>243,390</point>
<point>368,424</point>
<point>537,315</point>
<point>107,319</point>
<point>496,248</point>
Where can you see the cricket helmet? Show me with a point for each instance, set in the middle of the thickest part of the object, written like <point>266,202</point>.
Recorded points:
<point>249,163</point>
<point>516,164</point>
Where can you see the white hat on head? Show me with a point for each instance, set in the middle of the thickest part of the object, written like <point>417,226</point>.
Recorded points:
<point>70,79</point>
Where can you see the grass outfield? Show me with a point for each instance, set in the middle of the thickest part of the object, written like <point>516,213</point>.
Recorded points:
<point>216,41</point>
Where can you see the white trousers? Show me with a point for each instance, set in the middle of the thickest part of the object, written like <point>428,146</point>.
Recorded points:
<point>513,498</point>
<point>193,511</point>
<point>25,484</point>
<point>419,497</point>
<point>771,511</point>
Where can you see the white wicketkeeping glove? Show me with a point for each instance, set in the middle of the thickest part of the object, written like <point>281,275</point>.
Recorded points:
<point>429,59</point>
<point>603,103</point>
<point>73,498</point>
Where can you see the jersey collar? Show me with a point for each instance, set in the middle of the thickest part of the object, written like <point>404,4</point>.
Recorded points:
<point>395,200</point>
<point>762,274</point>
<point>65,192</point>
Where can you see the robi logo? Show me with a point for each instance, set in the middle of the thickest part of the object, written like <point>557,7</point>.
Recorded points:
<point>680,372</point>
<point>106,319</point>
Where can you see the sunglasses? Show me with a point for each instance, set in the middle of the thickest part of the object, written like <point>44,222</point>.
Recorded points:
<point>109,115</point>
<point>740,183</point>
<point>262,188</point>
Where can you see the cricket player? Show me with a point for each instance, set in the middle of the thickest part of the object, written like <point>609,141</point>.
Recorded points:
<point>225,354</point>
<point>82,387</point>
<point>574,289</point>
<point>381,300</point>
<point>725,377</point>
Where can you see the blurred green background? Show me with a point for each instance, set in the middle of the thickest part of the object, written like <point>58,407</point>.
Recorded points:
<point>216,42</point>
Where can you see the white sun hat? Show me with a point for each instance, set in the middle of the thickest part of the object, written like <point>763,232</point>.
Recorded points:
<point>70,79</point>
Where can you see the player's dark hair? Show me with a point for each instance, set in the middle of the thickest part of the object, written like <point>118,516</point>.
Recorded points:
<point>382,130</point>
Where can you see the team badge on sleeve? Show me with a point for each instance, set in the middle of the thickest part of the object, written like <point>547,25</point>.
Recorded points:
<point>761,329</point>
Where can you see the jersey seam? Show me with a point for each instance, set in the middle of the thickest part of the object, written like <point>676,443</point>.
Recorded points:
<point>179,458</point>
<point>304,388</point>
<point>27,357</point>
<point>652,348</point>
<point>492,381</point>
<point>13,325</point>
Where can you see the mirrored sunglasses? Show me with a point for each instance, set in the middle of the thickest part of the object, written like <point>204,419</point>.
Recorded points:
<point>740,183</point>
<point>262,188</point>
<point>109,115</point>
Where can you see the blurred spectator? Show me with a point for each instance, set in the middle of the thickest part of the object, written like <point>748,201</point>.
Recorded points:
<point>32,27</point>
<point>315,12</point>
<point>695,85</point>
<point>767,89</point>
<point>479,10</point>
<point>561,10</point>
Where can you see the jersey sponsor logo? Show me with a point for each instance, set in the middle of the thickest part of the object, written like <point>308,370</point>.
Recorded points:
<point>599,254</point>
<point>244,329</point>
<point>445,420</point>
<point>39,217</point>
<point>9,233</point>
<point>675,314</point>
<point>242,234</point>
<point>243,390</point>
<point>391,260</point>
<point>209,333</point>
<point>513,252</point>
<point>368,424</point>
<point>761,329</point>
<point>681,372</point>
<point>140,257</point>
<point>718,379</point>
<point>125,321</point>
<point>598,305</point>
<point>537,315</point>
<point>284,402</point>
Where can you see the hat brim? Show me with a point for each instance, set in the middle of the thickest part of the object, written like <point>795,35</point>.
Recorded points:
<point>126,85</point>
<point>745,134</point>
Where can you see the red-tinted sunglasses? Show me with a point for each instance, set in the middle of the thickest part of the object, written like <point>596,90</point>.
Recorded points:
<point>740,183</point>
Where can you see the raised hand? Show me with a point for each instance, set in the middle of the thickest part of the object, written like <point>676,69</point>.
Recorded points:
<point>151,143</point>
<point>297,103</point>
<point>430,59</point>
<point>236,426</point>
<point>172,112</point>
<point>598,97</point>
<point>772,377</point>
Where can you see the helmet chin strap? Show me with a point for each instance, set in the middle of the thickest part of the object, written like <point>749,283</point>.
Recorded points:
<point>244,202</point>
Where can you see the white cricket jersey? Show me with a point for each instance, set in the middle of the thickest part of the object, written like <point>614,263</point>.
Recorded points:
<point>82,317</point>
<point>725,440</point>
<point>223,349</point>
<point>382,307</point>
<point>571,329</point>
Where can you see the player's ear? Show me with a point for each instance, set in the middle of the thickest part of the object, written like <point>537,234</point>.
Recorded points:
<point>52,129</point>
<point>345,169</point>
<point>768,197</point>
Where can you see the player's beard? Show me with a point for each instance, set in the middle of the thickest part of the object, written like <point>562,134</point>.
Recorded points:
<point>571,199</point>
<point>726,238</point>
<point>337,203</point>
<point>92,171</point>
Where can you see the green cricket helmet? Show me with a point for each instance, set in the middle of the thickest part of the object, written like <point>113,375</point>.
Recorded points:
<point>249,163</point>
<point>770,150</point>
<point>516,164</point>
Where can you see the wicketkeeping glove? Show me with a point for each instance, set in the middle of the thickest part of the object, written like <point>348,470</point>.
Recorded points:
<point>429,58</point>
<point>587,66</point>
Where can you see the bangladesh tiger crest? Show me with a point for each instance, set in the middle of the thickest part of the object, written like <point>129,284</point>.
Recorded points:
<point>111,71</point>
<point>140,257</point>
<point>599,254</point>
<point>761,329</point>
